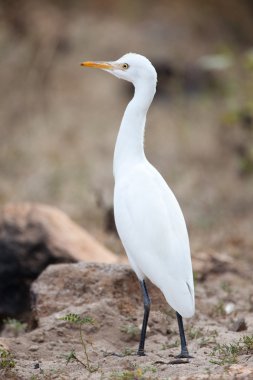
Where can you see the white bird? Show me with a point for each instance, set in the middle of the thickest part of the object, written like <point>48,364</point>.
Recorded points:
<point>148,217</point>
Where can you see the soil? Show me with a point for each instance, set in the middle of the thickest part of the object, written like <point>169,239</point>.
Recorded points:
<point>59,125</point>
<point>110,294</point>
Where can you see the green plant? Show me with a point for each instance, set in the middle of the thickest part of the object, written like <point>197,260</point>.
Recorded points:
<point>226,287</point>
<point>207,337</point>
<point>127,375</point>
<point>218,310</point>
<point>212,333</point>
<point>195,277</point>
<point>15,326</point>
<point>194,333</point>
<point>228,353</point>
<point>128,352</point>
<point>247,342</point>
<point>131,330</point>
<point>80,321</point>
<point>77,319</point>
<point>225,354</point>
<point>6,359</point>
<point>136,374</point>
<point>176,343</point>
<point>149,368</point>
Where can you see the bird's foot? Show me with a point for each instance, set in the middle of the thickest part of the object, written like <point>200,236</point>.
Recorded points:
<point>141,353</point>
<point>184,355</point>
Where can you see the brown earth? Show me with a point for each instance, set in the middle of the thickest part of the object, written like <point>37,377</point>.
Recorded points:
<point>58,128</point>
<point>110,294</point>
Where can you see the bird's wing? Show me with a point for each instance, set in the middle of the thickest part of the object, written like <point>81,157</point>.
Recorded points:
<point>153,231</point>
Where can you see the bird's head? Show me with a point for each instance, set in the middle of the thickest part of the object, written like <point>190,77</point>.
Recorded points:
<point>131,67</point>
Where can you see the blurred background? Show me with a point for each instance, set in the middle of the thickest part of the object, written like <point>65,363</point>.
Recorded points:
<point>59,122</point>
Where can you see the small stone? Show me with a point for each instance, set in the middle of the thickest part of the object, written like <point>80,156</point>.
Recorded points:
<point>34,348</point>
<point>229,307</point>
<point>38,338</point>
<point>51,345</point>
<point>238,325</point>
<point>140,327</point>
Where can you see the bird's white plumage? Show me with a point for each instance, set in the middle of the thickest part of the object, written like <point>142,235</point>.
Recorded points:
<point>147,215</point>
<point>154,235</point>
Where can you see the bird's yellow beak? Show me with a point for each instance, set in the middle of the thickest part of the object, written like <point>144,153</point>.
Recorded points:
<point>98,65</point>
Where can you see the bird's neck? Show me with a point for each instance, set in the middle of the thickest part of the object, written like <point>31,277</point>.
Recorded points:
<point>129,149</point>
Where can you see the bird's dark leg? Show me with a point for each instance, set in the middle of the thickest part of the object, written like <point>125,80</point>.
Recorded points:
<point>184,350</point>
<point>147,303</point>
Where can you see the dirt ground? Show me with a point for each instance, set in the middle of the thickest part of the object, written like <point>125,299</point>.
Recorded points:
<point>110,295</point>
<point>59,124</point>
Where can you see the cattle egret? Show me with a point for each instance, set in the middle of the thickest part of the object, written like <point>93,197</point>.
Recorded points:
<point>148,217</point>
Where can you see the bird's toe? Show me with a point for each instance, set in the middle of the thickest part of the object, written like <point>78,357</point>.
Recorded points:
<point>184,355</point>
<point>141,353</point>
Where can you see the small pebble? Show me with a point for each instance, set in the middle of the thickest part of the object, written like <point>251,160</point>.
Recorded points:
<point>38,338</point>
<point>229,307</point>
<point>51,345</point>
<point>34,348</point>
<point>238,325</point>
<point>148,328</point>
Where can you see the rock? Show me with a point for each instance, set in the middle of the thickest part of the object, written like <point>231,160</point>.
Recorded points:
<point>65,286</point>
<point>229,308</point>
<point>238,325</point>
<point>207,263</point>
<point>32,236</point>
<point>34,348</point>
<point>29,224</point>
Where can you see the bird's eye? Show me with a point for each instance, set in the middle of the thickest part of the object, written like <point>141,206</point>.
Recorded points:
<point>125,66</point>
